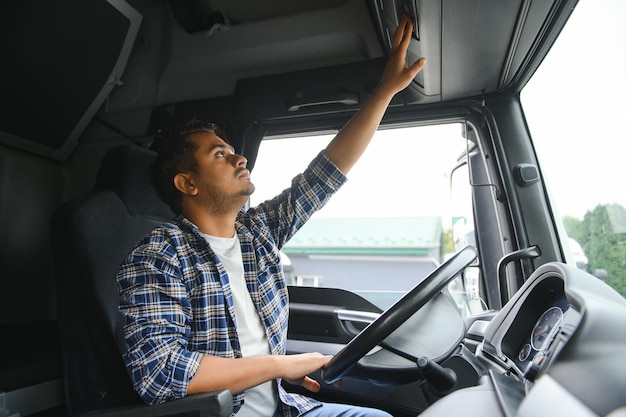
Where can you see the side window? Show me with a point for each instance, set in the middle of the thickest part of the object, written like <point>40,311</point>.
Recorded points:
<point>392,222</point>
<point>580,144</point>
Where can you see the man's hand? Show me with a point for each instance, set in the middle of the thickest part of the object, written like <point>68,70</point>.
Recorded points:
<point>350,143</point>
<point>398,75</point>
<point>297,367</point>
<point>306,382</point>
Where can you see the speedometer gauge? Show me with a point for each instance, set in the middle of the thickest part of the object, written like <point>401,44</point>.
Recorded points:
<point>545,326</point>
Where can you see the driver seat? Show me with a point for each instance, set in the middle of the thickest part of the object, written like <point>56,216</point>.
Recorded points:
<point>91,235</point>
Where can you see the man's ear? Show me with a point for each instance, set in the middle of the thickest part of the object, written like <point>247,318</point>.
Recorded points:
<point>185,184</point>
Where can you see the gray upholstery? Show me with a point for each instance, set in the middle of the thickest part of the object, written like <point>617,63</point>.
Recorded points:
<point>91,236</point>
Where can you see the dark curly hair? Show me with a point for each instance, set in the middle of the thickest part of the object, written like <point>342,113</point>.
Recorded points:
<point>175,154</point>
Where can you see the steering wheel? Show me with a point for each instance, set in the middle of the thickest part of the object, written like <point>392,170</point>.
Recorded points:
<point>398,313</point>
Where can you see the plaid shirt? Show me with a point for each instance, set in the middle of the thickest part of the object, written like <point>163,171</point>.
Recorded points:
<point>176,298</point>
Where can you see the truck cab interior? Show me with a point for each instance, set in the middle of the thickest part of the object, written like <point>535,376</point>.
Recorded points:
<point>86,87</point>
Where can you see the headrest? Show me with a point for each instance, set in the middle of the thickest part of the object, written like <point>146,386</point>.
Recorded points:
<point>125,170</point>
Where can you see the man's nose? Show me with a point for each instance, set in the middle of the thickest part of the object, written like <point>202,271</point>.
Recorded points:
<point>240,160</point>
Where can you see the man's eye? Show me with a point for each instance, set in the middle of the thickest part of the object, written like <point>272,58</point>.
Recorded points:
<point>220,154</point>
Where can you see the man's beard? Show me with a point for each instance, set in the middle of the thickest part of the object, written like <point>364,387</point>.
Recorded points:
<point>227,203</point>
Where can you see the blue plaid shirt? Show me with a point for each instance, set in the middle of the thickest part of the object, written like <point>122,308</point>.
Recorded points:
<point>176,298</point>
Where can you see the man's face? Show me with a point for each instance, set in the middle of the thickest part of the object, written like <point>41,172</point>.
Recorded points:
<point>222,181</point>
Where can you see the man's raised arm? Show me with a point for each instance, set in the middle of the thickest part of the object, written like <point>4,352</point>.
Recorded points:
<point>350,143</point>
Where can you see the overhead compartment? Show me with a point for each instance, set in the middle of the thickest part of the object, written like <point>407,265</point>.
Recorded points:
<point>464,56</point>
<point>60,61</point>
<point>310,92</point>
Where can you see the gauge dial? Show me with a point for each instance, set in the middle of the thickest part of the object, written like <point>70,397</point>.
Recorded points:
<point>524,352</point>
<point>545,326</point>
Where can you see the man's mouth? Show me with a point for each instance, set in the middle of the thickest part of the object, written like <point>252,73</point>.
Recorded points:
<point>242,173</point>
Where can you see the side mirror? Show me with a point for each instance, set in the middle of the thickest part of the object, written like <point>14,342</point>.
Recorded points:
<point>601,274</point>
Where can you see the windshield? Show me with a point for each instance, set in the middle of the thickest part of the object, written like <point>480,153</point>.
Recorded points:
<point>389,226</point>
<point>575,108</point>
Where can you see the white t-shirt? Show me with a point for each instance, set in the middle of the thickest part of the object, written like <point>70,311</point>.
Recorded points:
<point>262,399</point>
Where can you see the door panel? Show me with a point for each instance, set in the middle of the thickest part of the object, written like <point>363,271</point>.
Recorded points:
<point>325,319</point>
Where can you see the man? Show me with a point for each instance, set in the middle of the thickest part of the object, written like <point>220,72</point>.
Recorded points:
<point>204,298</point>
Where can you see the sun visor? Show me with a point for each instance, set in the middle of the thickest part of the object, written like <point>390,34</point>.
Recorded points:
<point>60,60</point>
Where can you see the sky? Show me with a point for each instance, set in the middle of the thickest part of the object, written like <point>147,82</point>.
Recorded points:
<point>410,169</point>
<point>575,107</point>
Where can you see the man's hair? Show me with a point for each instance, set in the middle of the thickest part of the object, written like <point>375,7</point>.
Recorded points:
<point>176,155</point>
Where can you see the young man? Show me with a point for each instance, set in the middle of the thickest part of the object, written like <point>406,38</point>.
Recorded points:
<point>204,298</point>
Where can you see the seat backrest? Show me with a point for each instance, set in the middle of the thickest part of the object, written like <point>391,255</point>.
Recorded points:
<point>91,236</point>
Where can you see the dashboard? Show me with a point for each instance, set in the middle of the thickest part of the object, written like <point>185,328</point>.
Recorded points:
<point>541,335</point>
<point>530,330</point>
<point>540,328</point>
<point>556,349</point>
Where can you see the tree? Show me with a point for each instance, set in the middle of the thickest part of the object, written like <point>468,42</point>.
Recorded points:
<point>603,237</point>
<point>447,243</point>
<point>574,228</point>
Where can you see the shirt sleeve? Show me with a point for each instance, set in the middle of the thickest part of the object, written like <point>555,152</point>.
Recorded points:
<point>286,213</point>
<point>156,314</point>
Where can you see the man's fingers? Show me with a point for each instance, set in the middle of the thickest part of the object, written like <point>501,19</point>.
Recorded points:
<point>418,65</point>
<point>402,36</point>
<point>310,384</point>
<point>399,34</point>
